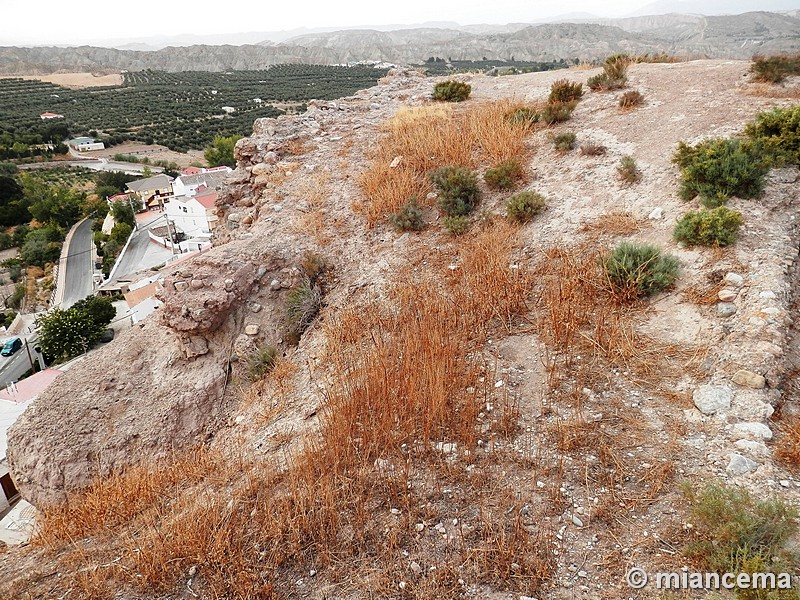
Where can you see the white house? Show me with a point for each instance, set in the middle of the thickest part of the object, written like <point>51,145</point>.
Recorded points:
<point>212,179</point>
<point>193,215</point>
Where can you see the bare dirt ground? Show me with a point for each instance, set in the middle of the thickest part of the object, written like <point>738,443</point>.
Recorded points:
<point>153,152</point>
<point>600,443</point>
<point>74,80</point>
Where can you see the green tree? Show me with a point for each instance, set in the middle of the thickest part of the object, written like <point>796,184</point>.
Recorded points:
<point>99,308</point>
<point>13,204</point>
<point>123,213</point>
<point>220,152</point>
<point>41,246</point>
<point>65,334</point>
<point>53,203</point>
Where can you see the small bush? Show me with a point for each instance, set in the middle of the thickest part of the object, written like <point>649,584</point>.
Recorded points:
<point>409,218</point>
<point>593,149</point>
<point>563,91</point>
<point>774,69</point>
<point>458,190</point>
<point>504,175</point>
<point>451,91</point>
<point>261,362</point>
<point>628,171</point>
<point>456,225</point>
<point>302,306</point>
<point>523,115</point>
<point>631,99</point>
<point>717,169</point>
<point>614,75</point>
<point>637,270</point>
<point>736,533</point>
<point>779,132</point>
<point>564,142</point>
<point>524,206</point>
<point>716,227</point>
<point>558,112</point>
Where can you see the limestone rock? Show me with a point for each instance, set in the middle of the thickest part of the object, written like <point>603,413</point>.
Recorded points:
<point>727,295</point>
<point>710,399</point>
<point>749,379</point>
<point>726,309</point>
<point>758,449</point>
<point>734,279</point>
<point>252,329</point>
<point>755,431</point>
<point>195,345</point>
<point>656,214</point>
<point>739,465</point>
<point>180,286</point>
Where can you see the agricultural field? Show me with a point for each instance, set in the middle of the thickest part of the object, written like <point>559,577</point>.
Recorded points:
<point>435,66</point>
<point>182,111</point>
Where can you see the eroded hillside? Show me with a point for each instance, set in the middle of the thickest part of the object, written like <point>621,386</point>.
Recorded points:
<point>447,415</point>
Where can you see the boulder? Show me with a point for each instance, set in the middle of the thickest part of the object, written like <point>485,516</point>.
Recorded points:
<point>754,431</point>
<point>739,465</point>
<point>710,399</point>
<point>749,379</point>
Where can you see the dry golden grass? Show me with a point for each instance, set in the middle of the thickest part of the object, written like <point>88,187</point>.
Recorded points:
<point>404,375</point>
<point>430,137</point>
<point>613,224</point>
<point>766,90</point>
<point>577,315</point>
<point>787,449</point>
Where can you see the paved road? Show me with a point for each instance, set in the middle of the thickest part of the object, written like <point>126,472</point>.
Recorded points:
<point>79,266</point>
<point>12,367</point>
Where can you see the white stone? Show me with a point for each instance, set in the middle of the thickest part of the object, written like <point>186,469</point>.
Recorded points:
<point>739,465</point>
<point>727,295</point>
<point>395,162</point>
<point>726,309</point>
<point>576,521</point>
<point>252,329</point>
<point>710,399</point>
<point>755,431</point>
<point>768,295</point>
<point>754,448</point>
<point>656,214</point>
<point>734,279</point>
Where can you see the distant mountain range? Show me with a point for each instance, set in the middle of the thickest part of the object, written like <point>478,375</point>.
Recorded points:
<point>685,35</point>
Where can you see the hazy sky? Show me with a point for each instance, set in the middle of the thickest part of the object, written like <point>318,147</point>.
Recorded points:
<point>84,22</point>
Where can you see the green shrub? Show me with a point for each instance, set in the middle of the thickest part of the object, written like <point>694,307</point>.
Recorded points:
<point>717,169</point>
<point>736,533</point>
<point>716,227</point>
<point>504,175</point>
<point>628,171</point>
<point>774,69</point>
<point>558,112</point>
<point>409,218</point>
<point>563,91</point>
<point>524,206</point>
<point>458,190</point>
<point>456,225</point>
<point>637,270</point>
<point>451,91</point>
<point>631,99</point>
<point>779,132</point>
<point>614,75</point>
<point>260,362</point>
<point>523,115</point>
<point>564,142</point>
<point>616,67</point>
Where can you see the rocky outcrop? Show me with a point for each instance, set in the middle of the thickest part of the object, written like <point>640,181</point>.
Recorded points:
<point>159,387</point>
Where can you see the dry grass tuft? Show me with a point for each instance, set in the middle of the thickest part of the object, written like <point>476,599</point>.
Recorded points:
<point>613,224</point>
<point>431,137</point>
<point>787,449</point>
<point>766,90</point>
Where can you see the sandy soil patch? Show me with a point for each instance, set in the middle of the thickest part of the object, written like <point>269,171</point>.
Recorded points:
<point>75,80</point>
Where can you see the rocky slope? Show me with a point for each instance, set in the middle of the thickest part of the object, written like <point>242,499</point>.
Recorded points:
<point>297,189</point>
<point>737,36</point>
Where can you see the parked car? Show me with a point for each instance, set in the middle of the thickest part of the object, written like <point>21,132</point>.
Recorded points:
<point>11,346</point>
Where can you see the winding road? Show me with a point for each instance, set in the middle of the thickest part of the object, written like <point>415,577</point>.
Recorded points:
<point>78,266</point>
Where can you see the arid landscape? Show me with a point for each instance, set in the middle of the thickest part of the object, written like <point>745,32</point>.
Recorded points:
<point>328,407</point>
